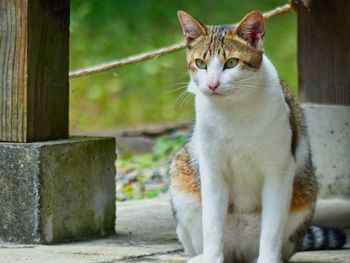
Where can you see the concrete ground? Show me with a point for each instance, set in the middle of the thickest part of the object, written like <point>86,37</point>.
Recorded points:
<point>145,233</point>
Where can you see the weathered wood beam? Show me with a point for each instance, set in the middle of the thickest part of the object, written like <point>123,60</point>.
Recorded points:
<point>324,52</point>
<point>34,87</point>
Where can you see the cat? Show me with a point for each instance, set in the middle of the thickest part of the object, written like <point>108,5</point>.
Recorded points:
<point>243,188</point>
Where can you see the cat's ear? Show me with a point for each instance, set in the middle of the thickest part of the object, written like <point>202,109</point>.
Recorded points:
<point>252,29</point>
<point>191,28</point>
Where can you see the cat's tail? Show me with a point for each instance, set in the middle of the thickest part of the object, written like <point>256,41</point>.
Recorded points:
<point>323,238</point>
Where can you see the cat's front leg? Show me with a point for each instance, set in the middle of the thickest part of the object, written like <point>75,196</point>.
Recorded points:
<point>214,209</point>
<point>276,197</point>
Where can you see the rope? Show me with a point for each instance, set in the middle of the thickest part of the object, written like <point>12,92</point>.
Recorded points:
<point>126,61</point>
<point>158,52</point>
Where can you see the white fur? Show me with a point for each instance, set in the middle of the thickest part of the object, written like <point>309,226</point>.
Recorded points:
<point>293,223</point>
<point>242,141</point>
<point>189,225</point>
<point>303,151</point>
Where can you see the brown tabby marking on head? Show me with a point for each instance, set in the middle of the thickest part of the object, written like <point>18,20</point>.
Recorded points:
<point>223,42</point>
<point>184,176</point>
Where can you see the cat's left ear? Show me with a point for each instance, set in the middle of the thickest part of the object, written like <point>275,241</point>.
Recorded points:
<point>252,29</point>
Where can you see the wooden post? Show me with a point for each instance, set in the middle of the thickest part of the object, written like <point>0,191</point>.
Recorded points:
<point>324,52</point>
<point>34,87</point>
<point>45,196</point>
<point>324,82</point>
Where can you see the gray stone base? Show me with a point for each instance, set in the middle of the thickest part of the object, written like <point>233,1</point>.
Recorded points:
<point>145,234</point>
<point>329,129</point>
<point>57,191</point>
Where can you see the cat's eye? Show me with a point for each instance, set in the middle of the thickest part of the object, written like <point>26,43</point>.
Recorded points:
<point>201,64</point>
<point>231,63</point>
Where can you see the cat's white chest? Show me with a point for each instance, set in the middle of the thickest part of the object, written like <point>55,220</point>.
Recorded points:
<point>243,150</point>
<point>244,177</point>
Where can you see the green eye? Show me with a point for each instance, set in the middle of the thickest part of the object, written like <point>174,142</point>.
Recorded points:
<point>231,63</point>
<point>201,64</point>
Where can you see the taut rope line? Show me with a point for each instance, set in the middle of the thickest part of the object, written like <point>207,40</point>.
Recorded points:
<point>158,52</point>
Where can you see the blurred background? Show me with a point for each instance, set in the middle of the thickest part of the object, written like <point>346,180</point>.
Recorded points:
<point>125,101</point>
<point>147,92</point>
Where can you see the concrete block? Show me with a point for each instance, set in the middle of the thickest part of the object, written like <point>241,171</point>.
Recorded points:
<point>333,213</point>
<point>329,128</point>
<point>58,190</point>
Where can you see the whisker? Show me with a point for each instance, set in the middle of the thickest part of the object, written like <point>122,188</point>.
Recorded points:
<point>179,98</point>
<point>188,95</point>
<point>247,91</point>
<point>180,104</point>
<point>183,76</point>
<point>179,83</point>
<point>240,86</point>
<point>248,79</point>
<point>183,98</point>
<point>176,89</point>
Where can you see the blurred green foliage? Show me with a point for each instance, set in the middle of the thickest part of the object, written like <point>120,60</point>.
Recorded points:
<point>105,30</point>
<point>135,172</point>
<point>164,149</point>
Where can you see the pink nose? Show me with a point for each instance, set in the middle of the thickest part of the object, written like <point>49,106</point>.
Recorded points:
<point>213,86</point>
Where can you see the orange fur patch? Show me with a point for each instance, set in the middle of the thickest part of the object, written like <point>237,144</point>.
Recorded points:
<point>305,185</point>
<point>304,192</point>
<point>183,177</point>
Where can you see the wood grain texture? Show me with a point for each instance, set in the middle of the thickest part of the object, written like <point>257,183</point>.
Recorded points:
<point>324,52</point>
<point>13,82</point>
<point>34,87</point>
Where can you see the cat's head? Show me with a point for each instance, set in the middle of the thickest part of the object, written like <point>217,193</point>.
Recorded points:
<point>222,58</point>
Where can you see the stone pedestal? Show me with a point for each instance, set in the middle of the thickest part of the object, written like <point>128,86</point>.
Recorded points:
<point>329,130</point>
<point>58,190</point>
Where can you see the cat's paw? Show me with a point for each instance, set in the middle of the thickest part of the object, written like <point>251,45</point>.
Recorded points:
<point>201,259</point>
<point>269,260</point>
<point>197,259</point>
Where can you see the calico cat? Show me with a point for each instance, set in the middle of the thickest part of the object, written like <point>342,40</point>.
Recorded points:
<point>243,189</point>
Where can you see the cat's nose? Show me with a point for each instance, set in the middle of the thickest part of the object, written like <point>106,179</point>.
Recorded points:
<point>213,85</point>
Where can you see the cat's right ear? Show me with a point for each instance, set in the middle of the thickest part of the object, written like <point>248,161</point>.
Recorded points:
<point>191,28</point>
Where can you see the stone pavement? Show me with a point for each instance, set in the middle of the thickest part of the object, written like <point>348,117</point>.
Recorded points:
<point>145,234</point>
